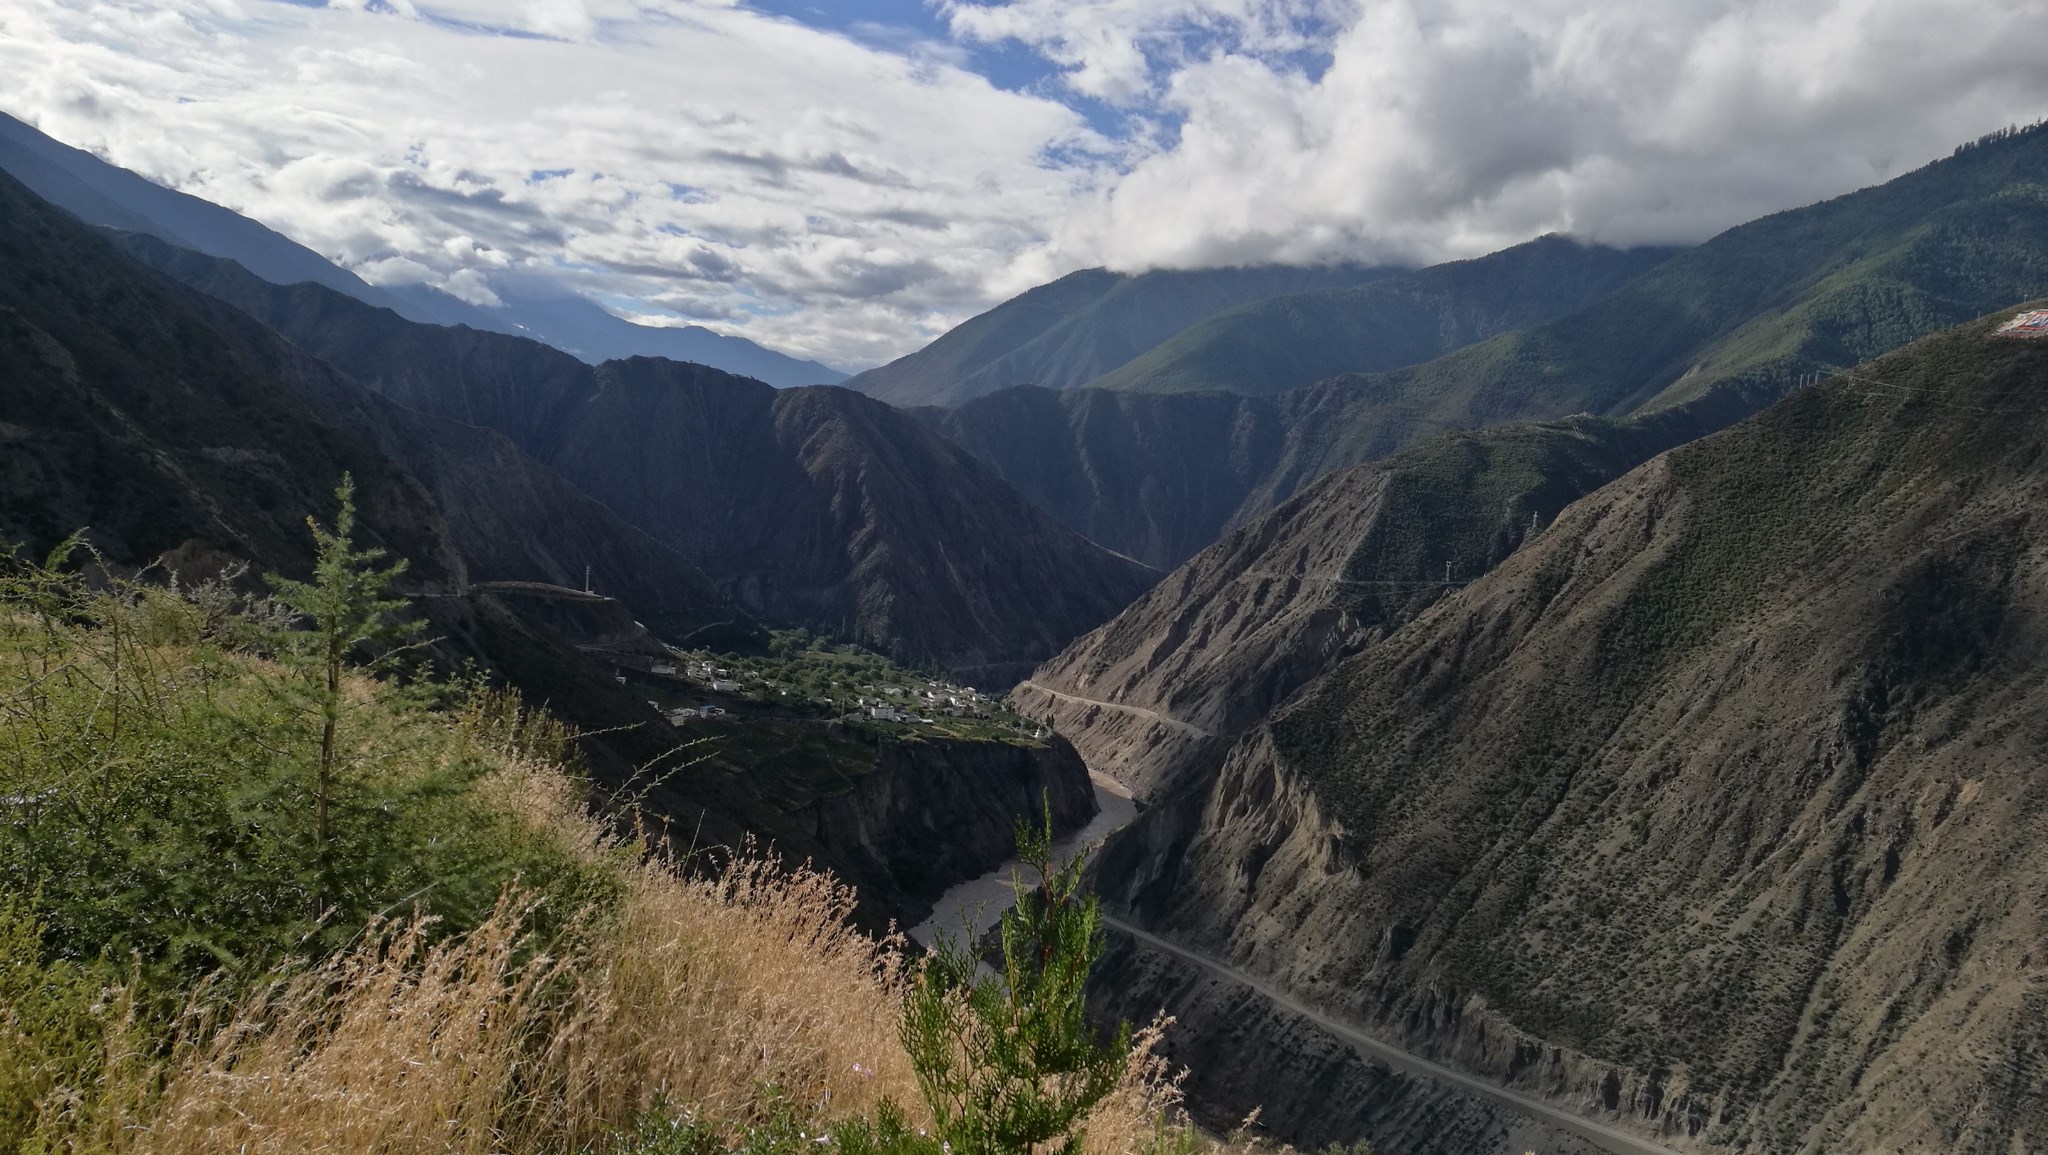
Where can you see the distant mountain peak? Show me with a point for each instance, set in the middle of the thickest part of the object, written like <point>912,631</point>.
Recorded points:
<point>102,194</point>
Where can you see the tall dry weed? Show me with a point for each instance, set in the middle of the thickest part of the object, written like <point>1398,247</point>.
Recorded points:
<point>697,992</point>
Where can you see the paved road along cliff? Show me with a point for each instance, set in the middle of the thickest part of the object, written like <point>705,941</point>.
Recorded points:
<point>1607,1138</point>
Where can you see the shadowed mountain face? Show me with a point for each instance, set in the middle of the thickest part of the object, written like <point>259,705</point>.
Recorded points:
<point>1723,329</point>
<point>101,194</point>
<point>816,506</point>
<point>1714,805</point>
<point>120,378</point>
<point>1066,334</point>
<point>177,427</point>
<point>123,410</point>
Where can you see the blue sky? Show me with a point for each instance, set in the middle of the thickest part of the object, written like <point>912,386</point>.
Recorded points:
<point>845,179</point>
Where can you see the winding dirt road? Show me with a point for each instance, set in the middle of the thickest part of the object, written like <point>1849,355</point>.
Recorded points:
<point>1142,712</point>
<point>1607,1138</point>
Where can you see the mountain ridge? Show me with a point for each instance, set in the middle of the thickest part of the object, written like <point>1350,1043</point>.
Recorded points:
<point>1065,333</point>
<point>1726,327</point>
<point>102,194</point>
<point>1281,343</point>
<point>816,506</point>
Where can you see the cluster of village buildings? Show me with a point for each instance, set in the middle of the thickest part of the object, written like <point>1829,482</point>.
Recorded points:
<point>887,708</point>
<point>903,704</point>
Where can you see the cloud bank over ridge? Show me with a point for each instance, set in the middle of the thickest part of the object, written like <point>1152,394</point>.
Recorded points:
<point>846,191</point>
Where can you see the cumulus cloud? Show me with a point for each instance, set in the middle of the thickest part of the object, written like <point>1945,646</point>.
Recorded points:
<point>820,195</point>
<point>847,194</point>
<point>1451,128</point>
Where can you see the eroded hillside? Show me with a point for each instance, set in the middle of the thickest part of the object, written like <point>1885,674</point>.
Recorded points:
<point>1714,808</point>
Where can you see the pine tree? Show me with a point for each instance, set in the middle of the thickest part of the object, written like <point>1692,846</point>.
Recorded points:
<point>1009,1063</point>
<point>348,603</point>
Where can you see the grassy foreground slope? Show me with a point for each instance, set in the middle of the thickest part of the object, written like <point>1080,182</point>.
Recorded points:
<point>454,956</point>
<point>1715,806</point>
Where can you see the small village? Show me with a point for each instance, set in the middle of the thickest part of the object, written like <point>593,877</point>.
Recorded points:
<point>801,677</point>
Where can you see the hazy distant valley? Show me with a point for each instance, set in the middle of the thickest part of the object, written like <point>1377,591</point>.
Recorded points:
<point>1574,699</point>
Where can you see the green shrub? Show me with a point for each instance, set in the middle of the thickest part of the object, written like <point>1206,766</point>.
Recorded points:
<point>1010,1063</point>
<point>160,794</point>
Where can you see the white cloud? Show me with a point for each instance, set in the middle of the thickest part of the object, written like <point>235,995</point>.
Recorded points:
<point>1447,129</point>
<point>848,196</point>
<point>830,195</point>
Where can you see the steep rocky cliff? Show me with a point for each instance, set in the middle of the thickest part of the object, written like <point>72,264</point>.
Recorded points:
<point>1712,809</point>
<point>813,506</point>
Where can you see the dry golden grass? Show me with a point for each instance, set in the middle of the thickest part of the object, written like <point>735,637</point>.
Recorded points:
<point>690,992</point>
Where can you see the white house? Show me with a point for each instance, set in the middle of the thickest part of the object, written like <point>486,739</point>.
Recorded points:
<point>725,685</point>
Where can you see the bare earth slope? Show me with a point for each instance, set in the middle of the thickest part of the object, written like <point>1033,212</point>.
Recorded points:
<point>1715,810</point>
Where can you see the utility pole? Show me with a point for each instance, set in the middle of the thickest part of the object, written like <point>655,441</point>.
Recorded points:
<point>586,579</point>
